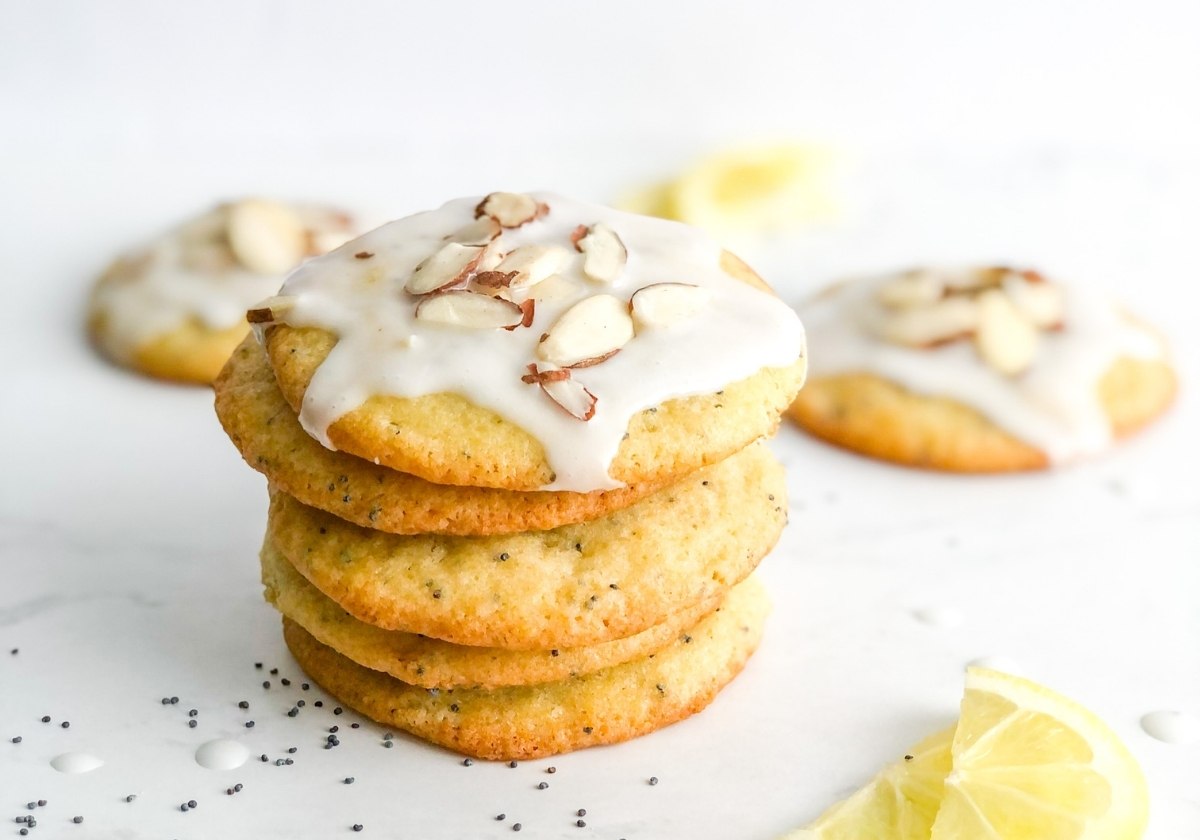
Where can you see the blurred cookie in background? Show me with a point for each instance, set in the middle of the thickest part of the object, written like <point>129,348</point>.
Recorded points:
<point>977,369</point>
<point>175,309</point>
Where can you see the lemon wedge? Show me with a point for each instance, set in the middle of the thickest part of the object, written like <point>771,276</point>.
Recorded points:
<point>1023,763</point>
<point>760,189</point>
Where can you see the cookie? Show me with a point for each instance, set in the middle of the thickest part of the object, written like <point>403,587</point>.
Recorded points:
<point>175,309</point>
<point>521,722</point>
<point>577,348</point>
<point>430,663</point>
<point>569,587</point>
<point>265,430</point>
<point>978,370</point>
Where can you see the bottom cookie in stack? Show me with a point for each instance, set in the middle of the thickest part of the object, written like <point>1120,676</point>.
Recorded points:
<point>529,721</point>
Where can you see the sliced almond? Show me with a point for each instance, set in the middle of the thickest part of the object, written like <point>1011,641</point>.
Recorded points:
<point>587,333</point>
<point>925,326</point>
<point>494,283</point>
<point>479,232</point>
<point>1006,339</point>
<point>527,308</point>
<point>266,237</point>
<point>1038,300</point>
<point>913,288</point>
<point>973,279</point>
<point>557,384</point>
<point>554,287</point>
<point>511,210</point>
<point>604,253</point>
<point>449,266</point>
<point>270,310</point>
<point>532,263</point>
<point>665,304</point>
<point>460,308</point>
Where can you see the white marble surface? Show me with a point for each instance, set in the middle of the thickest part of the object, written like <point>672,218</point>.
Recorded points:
<point>129,526</point>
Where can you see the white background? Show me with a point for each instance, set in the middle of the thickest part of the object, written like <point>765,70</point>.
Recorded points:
<point>1059,134</point>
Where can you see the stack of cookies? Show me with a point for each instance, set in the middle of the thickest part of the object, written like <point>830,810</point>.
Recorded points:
<point>518,484</point>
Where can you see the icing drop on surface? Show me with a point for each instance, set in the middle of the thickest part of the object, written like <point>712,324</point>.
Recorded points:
<point>75,762</point>
<point>382,349</point>
<point>1053,406</point>
<point>939,616</point>
<point>158,289</point>
<point>222,754</point>
<point>1172,727</point>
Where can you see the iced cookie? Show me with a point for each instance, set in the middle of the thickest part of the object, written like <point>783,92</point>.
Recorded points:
<point>611,705</point>
<point>572,586</point>
<point>267,433</point>
<point>175,309</point>
<point>531,342</point>
<point>978,370</point>
<point>431,663</point>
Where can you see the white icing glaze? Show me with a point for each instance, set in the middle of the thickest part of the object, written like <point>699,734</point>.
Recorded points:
<point>939,616</point>
<point>1172,727</point>
<point>75,762</point>
<point>1053,406</point>
<point>189,272</point>
<point>382,349</point>
<point>222,754</point>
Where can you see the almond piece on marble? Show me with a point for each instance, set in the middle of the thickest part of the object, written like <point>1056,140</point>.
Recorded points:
<point>604,253</point>
<point>666,304</point>
<point>266,237</point>
<point>479,232</point>
<point>587,333</point>
<point>511,210</point>
<point>1041,302</point>
<point>1006,339</point>
<point>927,326</point>
<point>449,266</point>
<point>568,394</point>
<point>532,263</point>
<point>461,308</point>
<point>913,288</point>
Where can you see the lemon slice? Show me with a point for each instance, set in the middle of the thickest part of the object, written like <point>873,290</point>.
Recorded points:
<point>1030,764</point>
<point>1023,763</point>
<point>761,189</point>
<point>901,802</point>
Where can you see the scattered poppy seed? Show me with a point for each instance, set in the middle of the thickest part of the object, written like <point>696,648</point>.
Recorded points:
<point>349,780</point>
<point>516,826</point>
<point>41,803</point>
<point>16,739</point>
<point>237,788</point>
<point>66,724</point>
<point>357,826</point>
<point>258,665</point>
<point>191,724</point>
<point>191,803</point>
<point>286,681</point>
<point>387,744</point>
<point>501,817</point>
<point>580,823</point>
<point>300,704</point>
<point>243,704</point>
<point>587,730</point>
<point>273,671</point>
<point>554,652</point>
<point>131,797</point>
<point>354,726</point>
<point>249,724</point>
<point>23,832</point>
<point>266,683</point>
<point>193,712</point>
<point>291,750</point>
<point>466,762</point>
<point>454,707</point>
<point>512,764</point>
<point>333,729</point>
<point>166,701</point>
<point>174,700</point>
<point>30,805</point>
<point>653,780</point>
<point>337,710</point>
<point>263,758</point>
<point>908,758</point>
<point>15,651</point>
<point>45,718</point>
<point>318,703</point>
<point>292,712</point>
<point>551,769</point>
<point>582,812</point>
<point>183,807</point>
<point>229,791</point>
<point>305,686</point>
<point>543,785</point>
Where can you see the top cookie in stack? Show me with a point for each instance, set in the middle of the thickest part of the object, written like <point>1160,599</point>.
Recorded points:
<point>588,381</point>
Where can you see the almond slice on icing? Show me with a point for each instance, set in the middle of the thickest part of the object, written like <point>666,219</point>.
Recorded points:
<point>266,237</point>
<point>554,287</point>
<point>494,283</point>
<point>479,232</point>
<point>460,308</point>
<point>973,279</point>
<point>665,304</point>
<point>587,333</point>
<point>568,394</point>
<point>511,210</point>
<point>1038,300</point>
<point>926,326</point>
<point>532,263</point>
<point>270,310</point>
<point>449,266</point>
<point>604,253</point>
<point>1006,339</point>
<point>914,288</point>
